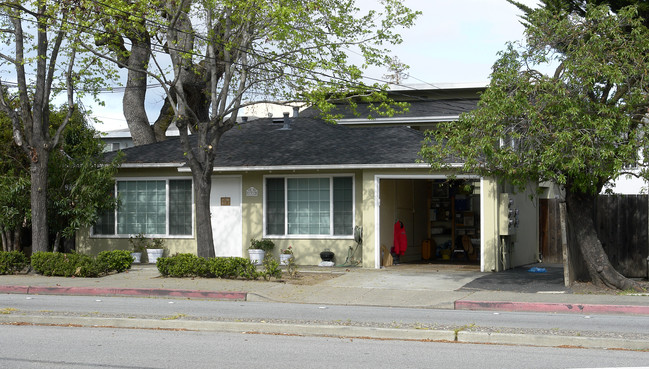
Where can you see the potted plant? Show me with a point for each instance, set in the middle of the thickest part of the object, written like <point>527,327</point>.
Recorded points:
<point>258,249</point>
<point>138,245</point>
<point>155,250</point>
<point>286,255</point>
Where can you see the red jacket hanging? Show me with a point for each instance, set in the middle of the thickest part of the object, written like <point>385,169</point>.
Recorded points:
<point>400,239</point>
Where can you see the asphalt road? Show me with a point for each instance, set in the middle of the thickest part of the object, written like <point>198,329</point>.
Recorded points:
<point>72,347</point>
<point>87,307</point>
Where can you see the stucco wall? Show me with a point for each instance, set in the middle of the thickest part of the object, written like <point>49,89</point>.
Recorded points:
<point>525,243</point>
<point>401,195</point>
<point>306,249</point>
<point>94,245</point>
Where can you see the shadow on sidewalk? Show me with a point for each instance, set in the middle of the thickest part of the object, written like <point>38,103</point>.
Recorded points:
<point>521,279</point>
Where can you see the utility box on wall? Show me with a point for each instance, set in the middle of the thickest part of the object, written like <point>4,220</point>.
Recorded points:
<point>507,215</point>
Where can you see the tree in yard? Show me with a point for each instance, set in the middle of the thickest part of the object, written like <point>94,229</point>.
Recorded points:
<point>578,7</point>
<point>227,54</point>
<point>41,53</point>
<point>579,126</point>
<point>398,72</point>
<point>14,188</point>
<point>78,179</point>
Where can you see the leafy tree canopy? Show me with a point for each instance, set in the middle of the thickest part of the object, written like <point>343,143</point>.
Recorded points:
<point>579,125</point>
<point>568,107</point>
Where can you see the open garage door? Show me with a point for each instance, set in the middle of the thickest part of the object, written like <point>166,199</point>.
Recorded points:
<point>441,219</point>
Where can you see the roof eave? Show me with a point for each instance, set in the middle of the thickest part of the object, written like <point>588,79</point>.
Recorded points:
<point>400,120</point>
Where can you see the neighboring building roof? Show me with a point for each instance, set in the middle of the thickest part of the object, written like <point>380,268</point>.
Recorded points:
<point>310,142</point>
<point>427,106</point>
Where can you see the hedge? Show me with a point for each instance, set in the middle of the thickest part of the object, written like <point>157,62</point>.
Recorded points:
<point>190,265</point>
<point>12,262</point>
<point>79,265</point>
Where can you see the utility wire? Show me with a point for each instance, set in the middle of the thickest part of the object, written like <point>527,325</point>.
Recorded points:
<point>160,49</point>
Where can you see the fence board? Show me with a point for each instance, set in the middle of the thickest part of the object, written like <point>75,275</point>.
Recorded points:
<point>551,249</point>
<point>622,224</point>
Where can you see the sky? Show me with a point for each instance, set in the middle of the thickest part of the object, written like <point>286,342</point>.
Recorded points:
<point>452,42</point>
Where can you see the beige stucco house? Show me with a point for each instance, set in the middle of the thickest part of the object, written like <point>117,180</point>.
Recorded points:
<point>309,184</point>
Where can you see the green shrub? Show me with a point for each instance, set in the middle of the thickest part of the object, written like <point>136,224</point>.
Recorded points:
<point>271,268</point>
<point>221,268</point>
<point>65,265</point>
<point>189,265</point>
<point>263,244</point>
<point>244,268</point>
<point>116,260</point>
<point>12,262</point>
<point>182,265</point>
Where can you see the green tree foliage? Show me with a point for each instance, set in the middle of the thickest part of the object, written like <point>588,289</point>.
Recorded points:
<point>579,6</point>
<point>40,58</point>
<point>78,181</point>
<point>579,126</point>
<point>227,54</point>
<point>14,188</point>
<point>78,178</point>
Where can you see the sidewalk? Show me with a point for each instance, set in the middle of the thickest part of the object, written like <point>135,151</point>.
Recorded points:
<point>420,286</point>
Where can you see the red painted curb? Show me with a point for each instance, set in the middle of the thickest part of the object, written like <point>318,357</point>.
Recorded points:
<point>14,289</point>
<point>551,307</point>
<point>142,292</point>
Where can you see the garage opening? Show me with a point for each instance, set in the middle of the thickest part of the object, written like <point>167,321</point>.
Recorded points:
<point>440,219</point>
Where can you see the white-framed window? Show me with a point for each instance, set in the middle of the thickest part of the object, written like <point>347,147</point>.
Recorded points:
<point>161,207</point>
<point>309,206</point>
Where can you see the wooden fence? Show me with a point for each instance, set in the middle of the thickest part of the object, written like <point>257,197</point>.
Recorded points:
<point>622,224</point>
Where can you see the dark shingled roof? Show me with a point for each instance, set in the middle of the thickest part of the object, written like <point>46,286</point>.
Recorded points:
<point>309,142</point>
<point>416,109</point>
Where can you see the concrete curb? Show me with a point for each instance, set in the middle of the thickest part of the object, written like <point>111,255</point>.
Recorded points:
<point>138,292</point>
<point>551,307</point>
<point>235,327</point>
<point>335,331</point>
<point>552,341</point>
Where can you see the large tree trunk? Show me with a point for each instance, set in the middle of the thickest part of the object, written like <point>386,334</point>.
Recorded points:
<point>135,94</point>
<point>579,208</point>
<point>204,239</point>
<point>38,169</point>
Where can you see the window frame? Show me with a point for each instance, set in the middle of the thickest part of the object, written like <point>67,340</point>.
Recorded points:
<point>167,209</point>
<point>331,235</point>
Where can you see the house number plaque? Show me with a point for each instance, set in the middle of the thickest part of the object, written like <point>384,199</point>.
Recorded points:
<point>225,201</point>
<point>252,192</point>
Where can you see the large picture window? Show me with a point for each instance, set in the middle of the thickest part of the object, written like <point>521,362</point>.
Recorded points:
<point>309,206</point>
<point>152,207</point>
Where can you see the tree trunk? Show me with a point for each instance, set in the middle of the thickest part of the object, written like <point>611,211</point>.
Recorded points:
<point>135,94</point>
<point>6,240</point>
<point>11,240</point>
<point>38,170</point>
<point>204,239</point>
<point>57,243</point>
<point>579,208</point>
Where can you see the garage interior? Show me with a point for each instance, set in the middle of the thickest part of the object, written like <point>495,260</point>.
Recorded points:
<point>441,218</point>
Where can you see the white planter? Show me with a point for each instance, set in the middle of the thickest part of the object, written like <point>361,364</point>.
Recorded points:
<point>154,254</point>
<point>256,256</point>
<point>284,258</point>
<point>137,257</point>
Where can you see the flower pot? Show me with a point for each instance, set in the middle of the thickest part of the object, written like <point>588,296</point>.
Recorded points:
<point>284,258</point>
<point>154,254</point>
<point>327,255</point>
<point>137,257</point>
<point>256,256</point>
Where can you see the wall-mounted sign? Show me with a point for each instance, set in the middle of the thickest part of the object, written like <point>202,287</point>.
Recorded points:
<point>225,201</point>
<point>252,192</point>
